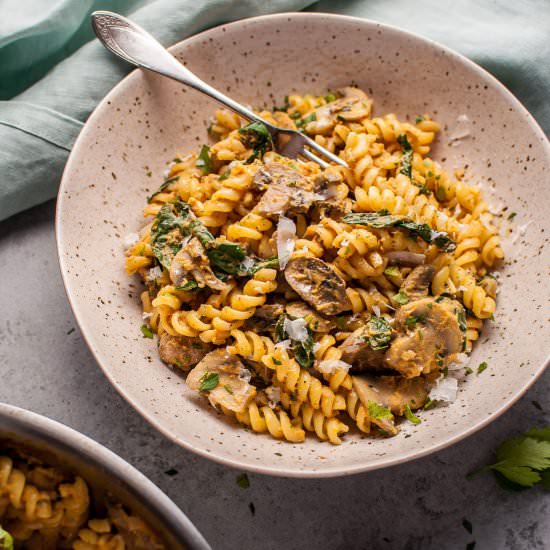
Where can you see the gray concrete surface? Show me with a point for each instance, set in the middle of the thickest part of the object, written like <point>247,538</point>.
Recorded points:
<point>45,366</point>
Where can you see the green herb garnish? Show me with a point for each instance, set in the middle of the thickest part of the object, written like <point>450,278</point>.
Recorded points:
<point>379,331</point>
<point>382,218</point>
<point>429,404</point>
<point>400,298</point>
<point>6,540</point>
<point>411,321</point>
<point>257,137</point>
<point>204,162</point>
<point>378,412</point>
<point>410,416</point>
<point>392,271</point>
<point>330,97</point>
<point>419,119</point>
<point>406,160</point>
<point>209,381</point>
<point>482,367</point>
<point>146,331</point>
<point>228,389</point>
<point>523,461</point>
<point>511,216</point>
<point>423,189</point>
<point>225,175</point>
<point>243,482</point>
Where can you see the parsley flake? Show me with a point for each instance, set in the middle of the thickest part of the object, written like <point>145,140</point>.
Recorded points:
<point>410,416</point>
<point>400,298</point>
<point>242,481</point>
<point>209,381</point>
<point>378,411</point>
<point>146,331</point>
<point>482,367</point>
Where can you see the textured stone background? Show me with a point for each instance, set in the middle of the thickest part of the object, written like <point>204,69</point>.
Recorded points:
<point>46,367</point>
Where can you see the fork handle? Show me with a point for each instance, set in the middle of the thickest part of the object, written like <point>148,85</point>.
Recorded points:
<point>135,45</point>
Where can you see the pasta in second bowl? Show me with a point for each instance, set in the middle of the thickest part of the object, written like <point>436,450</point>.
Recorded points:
<point>388,265</point>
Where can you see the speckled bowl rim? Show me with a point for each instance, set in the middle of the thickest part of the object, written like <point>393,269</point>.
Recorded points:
<point>40,431</point>
<point>282,471</point>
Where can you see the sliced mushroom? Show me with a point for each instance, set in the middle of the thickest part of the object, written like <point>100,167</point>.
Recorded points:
<point>357,351</point>
<point>392,392</point>
<point>233,390</point>
<point>353,106</point>
<point>192,261</point>
<point>286,190</point>
<point>315,321</point>
<point>417,283</point>
<point>181,351</point>
<point>429,336</point>
<point>264,318</point>
<point>348,322</point>
<point>318,285</point>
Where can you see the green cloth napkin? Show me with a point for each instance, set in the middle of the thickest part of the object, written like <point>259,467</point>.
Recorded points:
<point>53,73</point>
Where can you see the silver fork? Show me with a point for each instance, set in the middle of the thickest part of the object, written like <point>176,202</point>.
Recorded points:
<point>135,45</point>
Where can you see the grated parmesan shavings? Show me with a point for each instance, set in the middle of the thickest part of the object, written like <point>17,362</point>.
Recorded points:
<point>286,232</point>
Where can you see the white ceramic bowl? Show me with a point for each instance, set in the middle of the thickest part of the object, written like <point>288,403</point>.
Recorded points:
<point>104,471</point>
<point>146,120</point>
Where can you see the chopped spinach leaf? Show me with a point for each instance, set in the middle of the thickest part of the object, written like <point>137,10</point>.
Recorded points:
<point>226,257</point>
<point>303,351</point>
<point>171,225</point>
<point>189,286</point>
<point>257,137</point>
<point>382,218</point>
<point>258,264</point>
<point>204,162</point>
<point>163,186</point>
<point>406,161</point>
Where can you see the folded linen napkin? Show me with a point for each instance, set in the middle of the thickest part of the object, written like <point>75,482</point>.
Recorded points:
<point>53,73</point>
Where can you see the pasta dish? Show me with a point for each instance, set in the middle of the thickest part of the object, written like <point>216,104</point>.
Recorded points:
<point>299,299</point>
<point>45,507</point>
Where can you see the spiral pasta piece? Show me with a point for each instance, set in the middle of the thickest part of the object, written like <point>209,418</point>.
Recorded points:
<point>301,384</point>
<point>325,351</point>
<point>277,423</point>
<point>250,345</point>
<point>314,420</point>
